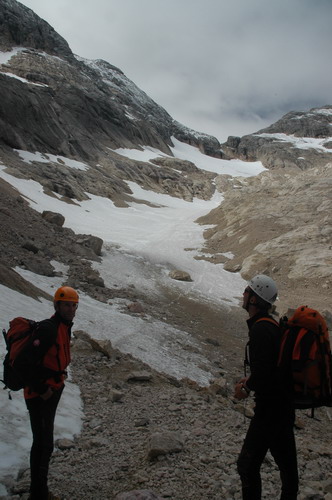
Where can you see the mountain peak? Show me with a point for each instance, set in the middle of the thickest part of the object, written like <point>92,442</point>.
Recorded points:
<point>20,26</point>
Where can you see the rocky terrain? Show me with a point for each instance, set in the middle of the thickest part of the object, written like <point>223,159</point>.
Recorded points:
<point>279,223</point>
<point>148,436</point>
<point>144,430</point>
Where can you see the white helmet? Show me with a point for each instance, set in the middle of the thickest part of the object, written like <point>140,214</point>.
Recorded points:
<point>264,287</point>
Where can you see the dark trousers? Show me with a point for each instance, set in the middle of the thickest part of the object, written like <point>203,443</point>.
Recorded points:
<point>42,415</point>
<point>270,429</point>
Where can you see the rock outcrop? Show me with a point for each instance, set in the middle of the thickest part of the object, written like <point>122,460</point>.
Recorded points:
<point>21,27</point>
<point>64,106</point>
<point>276,146</point>
<point>54,102</point>
<point>278,223</point>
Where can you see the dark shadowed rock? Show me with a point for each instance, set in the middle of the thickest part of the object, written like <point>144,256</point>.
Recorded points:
<point>135,307</point>
<point>30,246</point>
<point>92,242</point>
<point>20,26</point>
<point>53,218</point>
<point>66,105</point>
<point>138,495</point>
<point>11,279</point>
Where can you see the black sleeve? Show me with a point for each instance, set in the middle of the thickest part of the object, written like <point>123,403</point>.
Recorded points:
<point>263,356</point>
<point>29,362</point>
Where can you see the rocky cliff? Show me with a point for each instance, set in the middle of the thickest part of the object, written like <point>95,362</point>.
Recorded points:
<point>59,103</point>
<point>299,140</point>
<point>279,222</point>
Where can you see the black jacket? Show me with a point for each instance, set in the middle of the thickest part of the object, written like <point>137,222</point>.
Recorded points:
<point>262,353</point>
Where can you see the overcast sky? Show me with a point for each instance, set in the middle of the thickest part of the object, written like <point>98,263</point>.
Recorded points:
<point>224,67</point>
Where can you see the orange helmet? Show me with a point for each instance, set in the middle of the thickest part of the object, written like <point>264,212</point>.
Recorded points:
<point>66,294</point>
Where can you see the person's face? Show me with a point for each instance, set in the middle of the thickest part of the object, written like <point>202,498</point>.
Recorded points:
<point>246,295</point>
<point>67,310</point>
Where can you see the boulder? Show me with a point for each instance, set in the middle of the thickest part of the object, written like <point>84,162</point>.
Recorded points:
<point>162,443</point>
<point>53,218</point>
<point>92,242</point>
<point>180,275</point>
<point>30,246</point>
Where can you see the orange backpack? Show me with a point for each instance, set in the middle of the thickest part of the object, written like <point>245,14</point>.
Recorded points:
<point>20,336</point>
<point>306,353</point>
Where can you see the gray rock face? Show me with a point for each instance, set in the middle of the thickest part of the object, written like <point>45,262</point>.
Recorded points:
<point>72,106</point>
<point>66,106</point>
<point>274,145</point>
<point>20,26</point>
<point>279,223</point>
<point>314,123</point>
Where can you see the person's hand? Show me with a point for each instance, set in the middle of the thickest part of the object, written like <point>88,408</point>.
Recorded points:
<point>243,380</point>
<point>241,391</point>
<point>47,395</point>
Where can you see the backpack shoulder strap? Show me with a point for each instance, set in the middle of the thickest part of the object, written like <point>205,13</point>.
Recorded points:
<point>270,320</point>
<point>49,327</point>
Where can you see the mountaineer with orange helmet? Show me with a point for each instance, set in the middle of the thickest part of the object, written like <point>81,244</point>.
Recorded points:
<point>48,357</point>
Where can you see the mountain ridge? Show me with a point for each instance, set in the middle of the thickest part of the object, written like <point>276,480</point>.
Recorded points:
<point>63,105</point>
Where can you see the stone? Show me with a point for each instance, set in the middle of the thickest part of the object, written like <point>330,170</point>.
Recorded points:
<point>142,422</point>
<point>180,275</point>
<point>162,443</point>
<point>92,242</point>
<point>116,396</point>
<point>212,342</point>
<point>53,218</point>
<point>30,246</point>
<point>219,386</point>
<point>135,307</point>
<point>142,376</point>
<point>103,346</point>
<point>138,495</point>
<point>65,444</point>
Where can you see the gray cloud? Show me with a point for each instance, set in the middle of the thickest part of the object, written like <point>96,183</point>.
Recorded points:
<point>224,68</point>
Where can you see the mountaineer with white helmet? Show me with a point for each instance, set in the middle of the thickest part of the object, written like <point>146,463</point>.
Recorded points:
<point>271,428</point>
<point>265,288</point>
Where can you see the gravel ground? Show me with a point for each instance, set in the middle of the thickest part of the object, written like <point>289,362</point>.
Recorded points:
<point>126,403</point>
